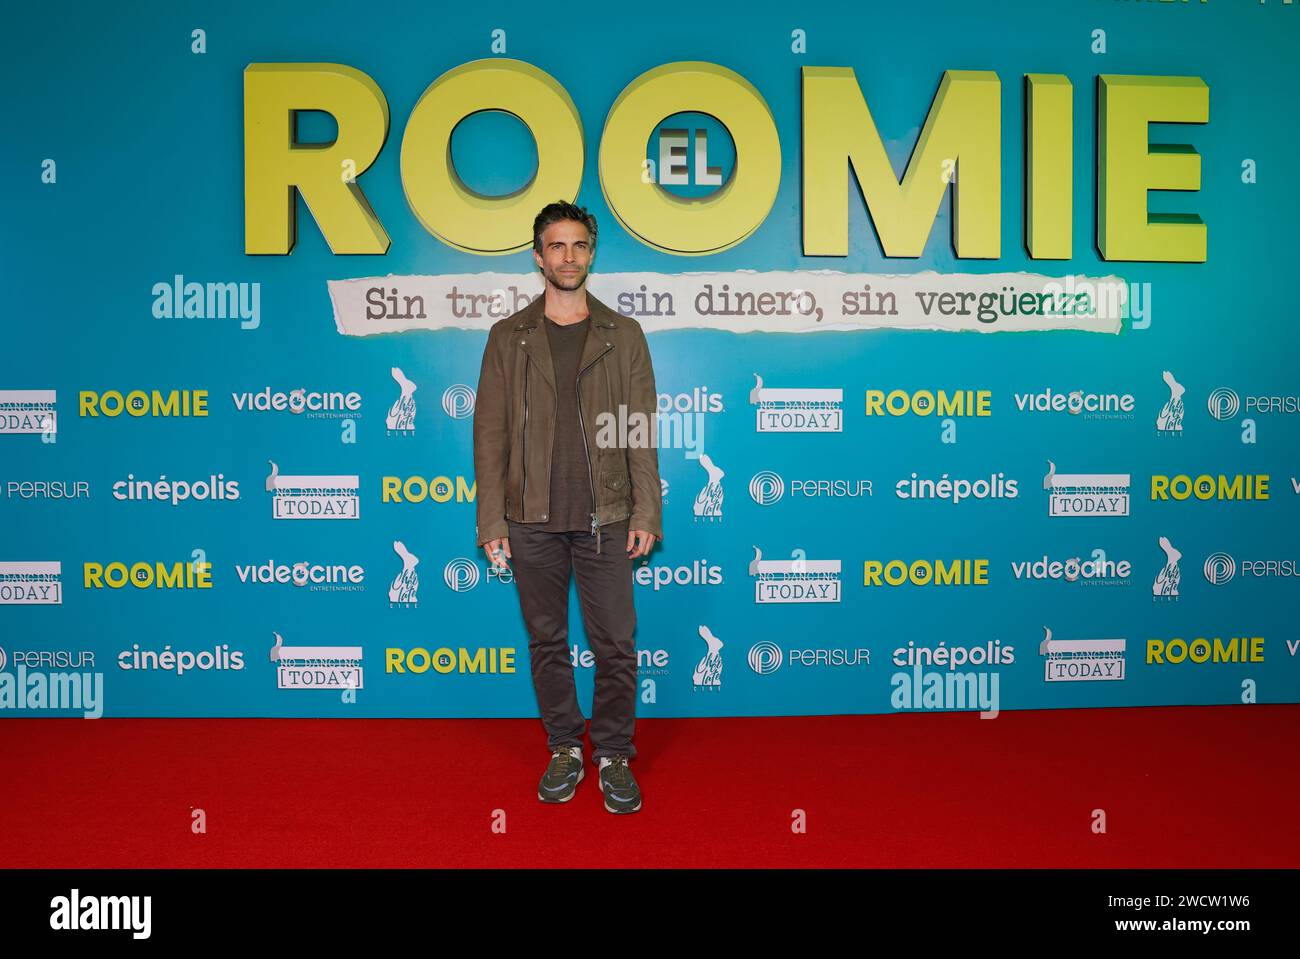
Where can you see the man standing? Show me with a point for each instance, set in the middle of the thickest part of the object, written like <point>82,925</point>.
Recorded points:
<point>558,496</point>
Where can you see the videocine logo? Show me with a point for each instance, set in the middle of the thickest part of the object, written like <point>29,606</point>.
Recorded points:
<point>1086,494</point>
<point>76,912</point>
<point>796,410</point>
<point>28,411</point>
<point>313,497</point>
<point>316,404</point>
<point>1100,406</point>
<point>797,580</point>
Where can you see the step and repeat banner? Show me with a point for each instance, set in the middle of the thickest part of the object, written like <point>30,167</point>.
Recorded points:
<point>972,338</point>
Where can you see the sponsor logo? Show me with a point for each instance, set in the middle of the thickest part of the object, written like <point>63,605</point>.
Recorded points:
<point>490,660</point>
<point>317,667</point>
<point>942,403</point>
<point>766,658</point>
<point>313,497</point>
<point>946,687</point>
<point>1097,571</point>
<point>400,419</point>
<point>1219,568</point>
<point>708,501</point>
<point>796,410</point>
<point>1165,587</point>
<point>458,401</point>
<point>925,572</point>
<point>26,583</point>
<point>1224,404</point>
<point>137,403</point>
<point>649,662</point>
<point>404,587</point>
<point>699,573</point>
<point>460,575</point>
<point>314,403</point>
<point>797,580</point>
<point>1241,486</point>
<point>1086,494</point>
<point>28,411</point>
<point>175,492</point>
<point>146,575</point>
<point>47,489</point>
<point>1077,660</point>
<point>1237,649</point>
<point>418,489</point>
<point>311,576</point>
<point>708,671</point>
<point>956,490</point>
<point>767,488</point>
<point>1170,420</point>
<point>1086,405</point>
<point>180,661</point>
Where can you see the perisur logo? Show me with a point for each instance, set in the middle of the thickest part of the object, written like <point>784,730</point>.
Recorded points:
<point>313,497</point>
<point>460,575</point>
<point>797,580</point>
<point>1223,403</point>
<point>766,487</point>
<point>765,658</point>
<point>797,410</point>
<point>1086,494</point>
<point>458,401</point>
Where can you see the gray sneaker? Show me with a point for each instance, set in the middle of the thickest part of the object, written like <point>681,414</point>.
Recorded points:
<point>565,771</point>
<point>622,795</point>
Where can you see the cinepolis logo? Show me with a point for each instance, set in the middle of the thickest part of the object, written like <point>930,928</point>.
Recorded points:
<point>708,501</point>
<point>25,583</point>
<point>765,658</point>
<point>1075,660</point>
<point>458,401</point>
<point>400,419</point>
<point>1086,494</point>
<point>699,573</point>
<point>797,580</point>
<point>317,667</point>
<point>1219,568</point>
<point>1169,422</point>
<point>1223,403</point>
<point>766,487</point>
<point>402,591</point>
<point>995,486</point>
<point>1166,582</point>
<point>137,403</point>
<point>28,411</point>
<point>940,403</point>
<point>173,491</point>
<point>461,575</point>
<point>796,410</point>
<point>708,671</point>
<point>313,497</point>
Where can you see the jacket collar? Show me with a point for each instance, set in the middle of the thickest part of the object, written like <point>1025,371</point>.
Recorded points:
<point>533,339</point>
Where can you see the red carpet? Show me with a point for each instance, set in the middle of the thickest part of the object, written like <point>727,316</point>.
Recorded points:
<point>1181,787</point>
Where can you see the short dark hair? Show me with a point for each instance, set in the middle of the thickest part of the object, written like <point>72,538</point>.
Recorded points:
<point>562,210</point>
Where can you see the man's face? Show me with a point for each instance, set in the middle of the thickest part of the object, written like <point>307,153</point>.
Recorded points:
<point>566,254</point>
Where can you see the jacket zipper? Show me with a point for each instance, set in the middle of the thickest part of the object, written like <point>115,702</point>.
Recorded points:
<point>524,465</point>
<point>582,426</point>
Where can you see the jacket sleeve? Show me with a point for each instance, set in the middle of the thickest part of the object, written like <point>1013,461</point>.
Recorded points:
<point>643,462</point>
<point>491,447</point>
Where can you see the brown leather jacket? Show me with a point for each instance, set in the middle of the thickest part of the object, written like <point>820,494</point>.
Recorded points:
<point>514,423</point>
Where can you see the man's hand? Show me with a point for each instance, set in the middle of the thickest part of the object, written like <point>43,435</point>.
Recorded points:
<point>498,550</point>
<point>644,540</point>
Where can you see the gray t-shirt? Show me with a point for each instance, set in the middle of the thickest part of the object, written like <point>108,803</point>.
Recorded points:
<point>570,507</point>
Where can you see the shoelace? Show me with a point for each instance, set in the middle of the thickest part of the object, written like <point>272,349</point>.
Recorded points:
<point>564,757</point>
<point>617,772</point>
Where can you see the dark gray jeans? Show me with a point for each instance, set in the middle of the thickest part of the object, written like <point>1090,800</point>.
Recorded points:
<point>543,563</point>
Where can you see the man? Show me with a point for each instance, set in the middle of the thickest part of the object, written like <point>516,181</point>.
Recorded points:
<point>556,495</point>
